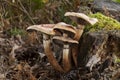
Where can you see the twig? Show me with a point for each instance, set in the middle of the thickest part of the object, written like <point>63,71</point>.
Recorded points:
<point>2,23</point>
<point>23,9</point>
<point>26,11</point>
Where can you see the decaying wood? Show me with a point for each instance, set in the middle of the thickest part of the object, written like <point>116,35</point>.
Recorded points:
<point>91,44</point>
<point>97,46</point>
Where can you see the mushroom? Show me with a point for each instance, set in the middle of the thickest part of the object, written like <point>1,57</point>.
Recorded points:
<point>66,42</point>
<point>47,31</point>
<point>81,19</point>
<point>67,31</point>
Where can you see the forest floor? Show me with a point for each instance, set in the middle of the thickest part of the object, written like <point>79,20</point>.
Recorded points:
<point>21,61</point>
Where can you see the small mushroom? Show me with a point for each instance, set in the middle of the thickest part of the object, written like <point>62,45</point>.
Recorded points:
<point>68,31</point>
<point>81,19</point>
<point>47,31</point>
<point>66,42</point>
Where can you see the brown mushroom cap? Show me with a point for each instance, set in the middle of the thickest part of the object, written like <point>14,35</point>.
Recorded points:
<point>65,28</point>
<point>82,16</point>
<point>62,40</point>
<point>44,28</point>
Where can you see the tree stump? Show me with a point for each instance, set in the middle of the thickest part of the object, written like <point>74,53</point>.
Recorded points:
<point>101,43</point>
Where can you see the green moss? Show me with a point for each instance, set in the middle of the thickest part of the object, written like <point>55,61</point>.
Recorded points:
<point>117,60</point>
<point>15,31</point>
<point>118,1</point>
<point>104,23</point>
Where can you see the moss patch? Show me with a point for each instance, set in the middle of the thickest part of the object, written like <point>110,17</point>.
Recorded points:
<point>118,1</point>
<point>104,23</point>
<point>117,60</point>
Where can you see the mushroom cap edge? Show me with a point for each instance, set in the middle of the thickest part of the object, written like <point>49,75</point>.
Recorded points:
<point>62,40</point>
<point>42,29</point>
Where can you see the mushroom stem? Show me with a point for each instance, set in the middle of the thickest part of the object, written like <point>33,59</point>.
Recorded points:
<point>65,35</point>
<point>46,37</point>
<point>49,53</point>
<point>66,58</point>
<point>79,32</point>
<point>75,54</point>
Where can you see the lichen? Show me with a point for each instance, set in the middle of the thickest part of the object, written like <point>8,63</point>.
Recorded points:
<point>104,23</point>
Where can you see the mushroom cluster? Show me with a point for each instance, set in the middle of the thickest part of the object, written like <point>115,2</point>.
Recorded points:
<point>64,35</point>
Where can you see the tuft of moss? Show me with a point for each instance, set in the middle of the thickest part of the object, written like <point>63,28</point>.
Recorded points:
<point>117,60</point>
<point>117,1</point>
<point>104,23</point>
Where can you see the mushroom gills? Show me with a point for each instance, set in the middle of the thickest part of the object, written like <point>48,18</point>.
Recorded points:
<point>64,28</point>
